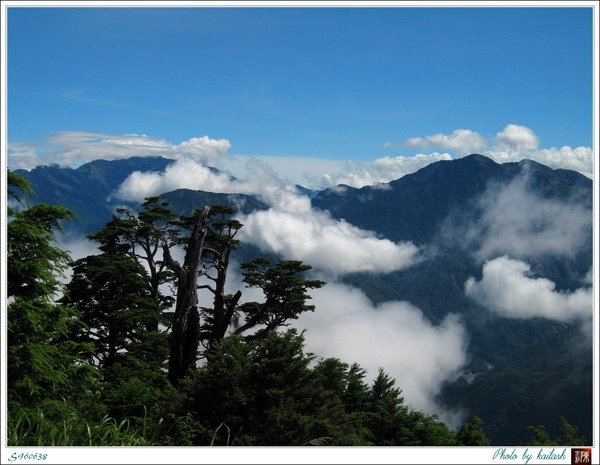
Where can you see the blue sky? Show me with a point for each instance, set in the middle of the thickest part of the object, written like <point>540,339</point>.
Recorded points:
<point>337,83</point>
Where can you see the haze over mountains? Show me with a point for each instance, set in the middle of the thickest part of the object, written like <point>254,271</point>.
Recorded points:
<point>468,280</point>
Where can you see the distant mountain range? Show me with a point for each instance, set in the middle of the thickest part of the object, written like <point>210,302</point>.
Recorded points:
<point>523,371</point>
<point>85,190</point>
<point>540,370</point>
<point>414,206</point>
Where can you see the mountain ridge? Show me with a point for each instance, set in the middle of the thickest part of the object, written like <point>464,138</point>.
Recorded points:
<point>415,208</point>
<point>449,182</point>
<point>85,189</point>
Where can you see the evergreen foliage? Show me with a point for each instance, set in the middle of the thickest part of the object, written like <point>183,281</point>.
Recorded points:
<point>111,292</point>
<point>43,361</point>
<point>472,434</point>
<point>45,365</point>
<point>88,362</point>
<point>285,291</point>
<point>568,435</point>
<point>55,374</point>
<point>268,391</point>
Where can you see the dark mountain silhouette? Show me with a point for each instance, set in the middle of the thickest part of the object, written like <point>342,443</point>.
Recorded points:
<point>414,206</point>
<point>86,190</point>
<point>522,372</point>
<point>185,201</point>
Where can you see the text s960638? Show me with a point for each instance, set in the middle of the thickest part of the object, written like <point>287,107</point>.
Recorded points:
<point>27,456</point>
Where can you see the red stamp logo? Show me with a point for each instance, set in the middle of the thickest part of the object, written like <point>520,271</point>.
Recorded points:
<point>581,456</point>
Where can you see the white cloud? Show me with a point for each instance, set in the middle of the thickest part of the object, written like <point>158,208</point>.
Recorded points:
<point>518,138</point>
<point>396,167</point>
<point>345,324</point>
<point>518,222</point>
<point>185,173</point>
<point>508,289</point>
<point>23,155</point>
<point>589,277</point>
<point>394,335</point>
<point>382,170</point>
<point>462,141</point>
<point>580,159</point>
<point>265,182</point>
<point>516,143</point>
<point>73,148</point>
<point>203,148</point>
<point>188,173</point>
<point>77,247</point>
<point>577,159</point>
<point>353,174</point>
<point>293,169</point>
<point>291,227</point>
<point>513,144</point>
<point>331,245</point>
<point>320,173</point>
<point>421,142</point>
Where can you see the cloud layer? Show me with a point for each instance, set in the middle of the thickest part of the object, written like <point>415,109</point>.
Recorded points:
<point>290,228</point>
<point>518,222</point>
<point>514,143</point>
<point>508,289</point>
<point>72,148</point>
<point>185,173</point>
<point>331,245</point>
<point>382,170</point>
<point>395,336</point>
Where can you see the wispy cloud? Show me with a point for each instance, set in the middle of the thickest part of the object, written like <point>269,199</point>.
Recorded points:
<point>382,170</point>
<point>73,148</point>
<point>512,219</point>
<point>83,95</point>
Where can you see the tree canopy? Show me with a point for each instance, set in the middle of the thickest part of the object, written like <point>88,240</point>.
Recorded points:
<point>144,345</point>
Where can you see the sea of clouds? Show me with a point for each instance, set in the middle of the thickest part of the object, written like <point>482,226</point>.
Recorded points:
<point>515,224</point>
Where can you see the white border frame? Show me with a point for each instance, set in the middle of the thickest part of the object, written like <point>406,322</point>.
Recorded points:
<point>275,455</point>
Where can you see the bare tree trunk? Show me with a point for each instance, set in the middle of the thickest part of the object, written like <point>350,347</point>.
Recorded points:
<point>186,321</point>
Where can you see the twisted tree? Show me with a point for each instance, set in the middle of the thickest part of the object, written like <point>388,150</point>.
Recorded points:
<point>186,321</point>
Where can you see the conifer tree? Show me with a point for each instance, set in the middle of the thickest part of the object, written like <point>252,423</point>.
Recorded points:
<point>472,434</point>
<point>285,289</point>
<point>44,362</point>
<point>111,292</point>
